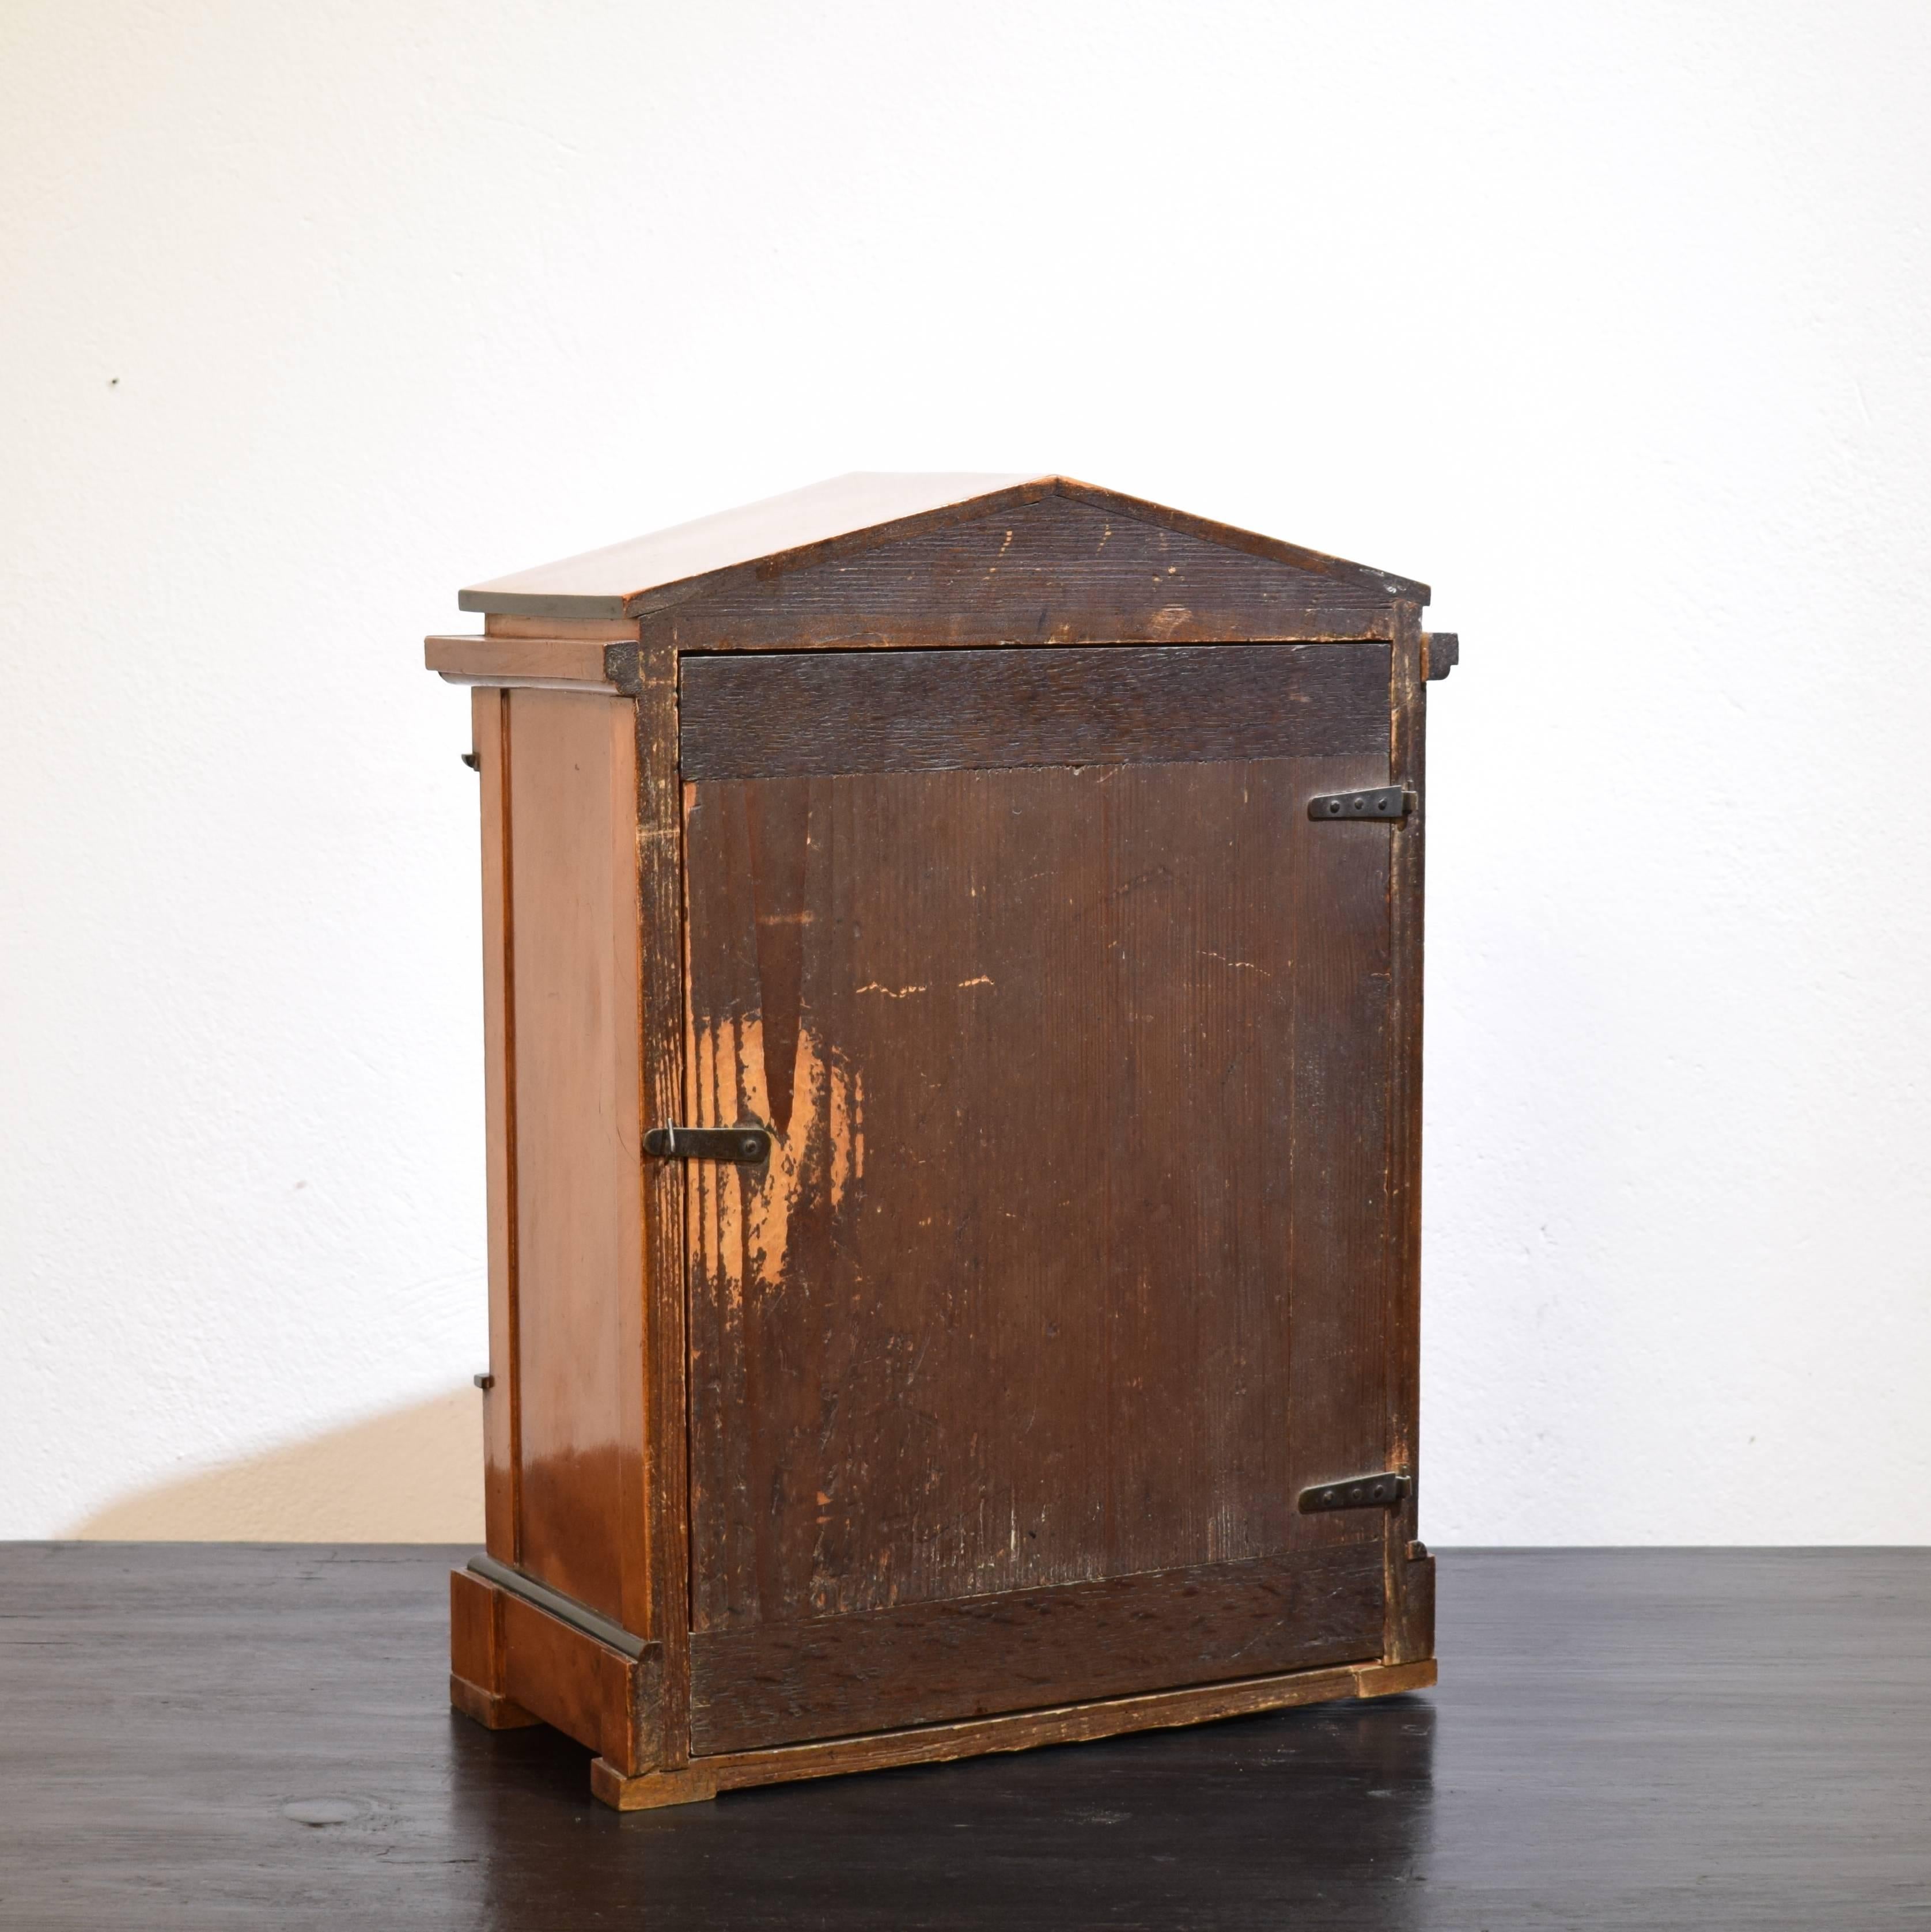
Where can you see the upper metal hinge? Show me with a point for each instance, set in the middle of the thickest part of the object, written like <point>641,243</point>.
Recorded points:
<point>746,1146</point>
<point>1388,802</point>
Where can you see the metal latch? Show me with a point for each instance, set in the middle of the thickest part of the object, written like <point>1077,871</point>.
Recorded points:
<point>746,1146</point>
<point>1356,1492</point>
<point>1390,802</point>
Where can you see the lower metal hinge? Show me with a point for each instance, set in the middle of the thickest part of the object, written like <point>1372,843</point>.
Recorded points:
<point>1356,1492</point>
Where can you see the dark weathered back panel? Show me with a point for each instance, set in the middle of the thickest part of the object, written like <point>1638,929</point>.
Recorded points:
<point>1054,570</point>
<point>1070,1263</point>
<point>831,1677</point>
<point>804,713</point>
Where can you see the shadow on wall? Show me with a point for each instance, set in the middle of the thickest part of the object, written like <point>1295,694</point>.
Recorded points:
<point>415,1476</point>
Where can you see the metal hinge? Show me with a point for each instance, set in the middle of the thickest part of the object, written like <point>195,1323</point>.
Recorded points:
<point>746,1146</point>
<point>1356,1492</point>
<point>1388,802</point>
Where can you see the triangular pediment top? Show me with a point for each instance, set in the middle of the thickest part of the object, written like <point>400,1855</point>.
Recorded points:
<point>847,515</point>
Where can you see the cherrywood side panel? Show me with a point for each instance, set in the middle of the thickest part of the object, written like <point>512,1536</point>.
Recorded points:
<point>502,1451</point>
<point>495,661</point>
<point>475,1648</point>
<point>977,1008</point>
<point>802,713</point>
<point>587,1690</point>
<point>1052,571</point>
<point>476,1660</point>
<point>578,1207</point>
<point>924,1662</point>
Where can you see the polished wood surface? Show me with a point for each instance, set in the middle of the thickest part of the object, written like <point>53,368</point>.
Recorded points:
<point>503,1449</point>
<point>502,661</point>
<point>821,517</point>
<point>1621,1739</point>
<point>573,939</point>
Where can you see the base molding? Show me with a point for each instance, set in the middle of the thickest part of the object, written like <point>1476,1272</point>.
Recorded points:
<point>1023,1730</point>
<point>491,1709</point>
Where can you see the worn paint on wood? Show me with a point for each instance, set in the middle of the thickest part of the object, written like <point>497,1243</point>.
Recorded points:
<point>936,1662</point>
<point>1016,1300</point>
<point>1053,570</point>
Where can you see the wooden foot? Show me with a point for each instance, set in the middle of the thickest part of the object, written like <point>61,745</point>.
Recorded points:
<point>650,1788</point>
<point>493,1712</point>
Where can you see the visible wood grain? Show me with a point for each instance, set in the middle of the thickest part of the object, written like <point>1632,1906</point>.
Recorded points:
<point>503,1460</point>
<point>1023,1001</point>
<point>1053,570</point>
<point>489,1708</point>
<point>823,520</point>
<point>1410,1635</point>
<point>608,629</point>
<point>475,1636</point>
<point>801,714</point>
<point>1075,1260</point>
<point>584,1688</point>
<point>664,1504</point>
<point>1336,1121</point>
<point>1029,1730</point>
<point>926,1662</point>
<point>579,1215</point>
<point>839,521</point>
<point>1410,1586</point>
<point>539,661</point>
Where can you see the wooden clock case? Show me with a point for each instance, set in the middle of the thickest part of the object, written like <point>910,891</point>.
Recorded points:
<point>953,952</point>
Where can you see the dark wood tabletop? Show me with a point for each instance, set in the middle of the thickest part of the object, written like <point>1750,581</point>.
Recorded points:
<point>212,1735</point>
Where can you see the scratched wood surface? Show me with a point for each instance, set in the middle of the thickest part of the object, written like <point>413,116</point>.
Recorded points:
<point>1070,1263</point>
<point>927,1663</point>
<point>801,713</point>
<point>1054,571</point>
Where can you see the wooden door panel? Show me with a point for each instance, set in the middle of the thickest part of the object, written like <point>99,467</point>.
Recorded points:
<point>1069,1264</point>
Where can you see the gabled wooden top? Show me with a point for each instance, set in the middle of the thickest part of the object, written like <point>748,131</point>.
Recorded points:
<point>848,516</point>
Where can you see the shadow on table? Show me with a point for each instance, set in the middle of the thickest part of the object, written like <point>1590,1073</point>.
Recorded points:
<point>1321,1816</point>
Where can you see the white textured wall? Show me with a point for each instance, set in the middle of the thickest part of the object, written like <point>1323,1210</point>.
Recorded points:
<point>1609,321</point>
